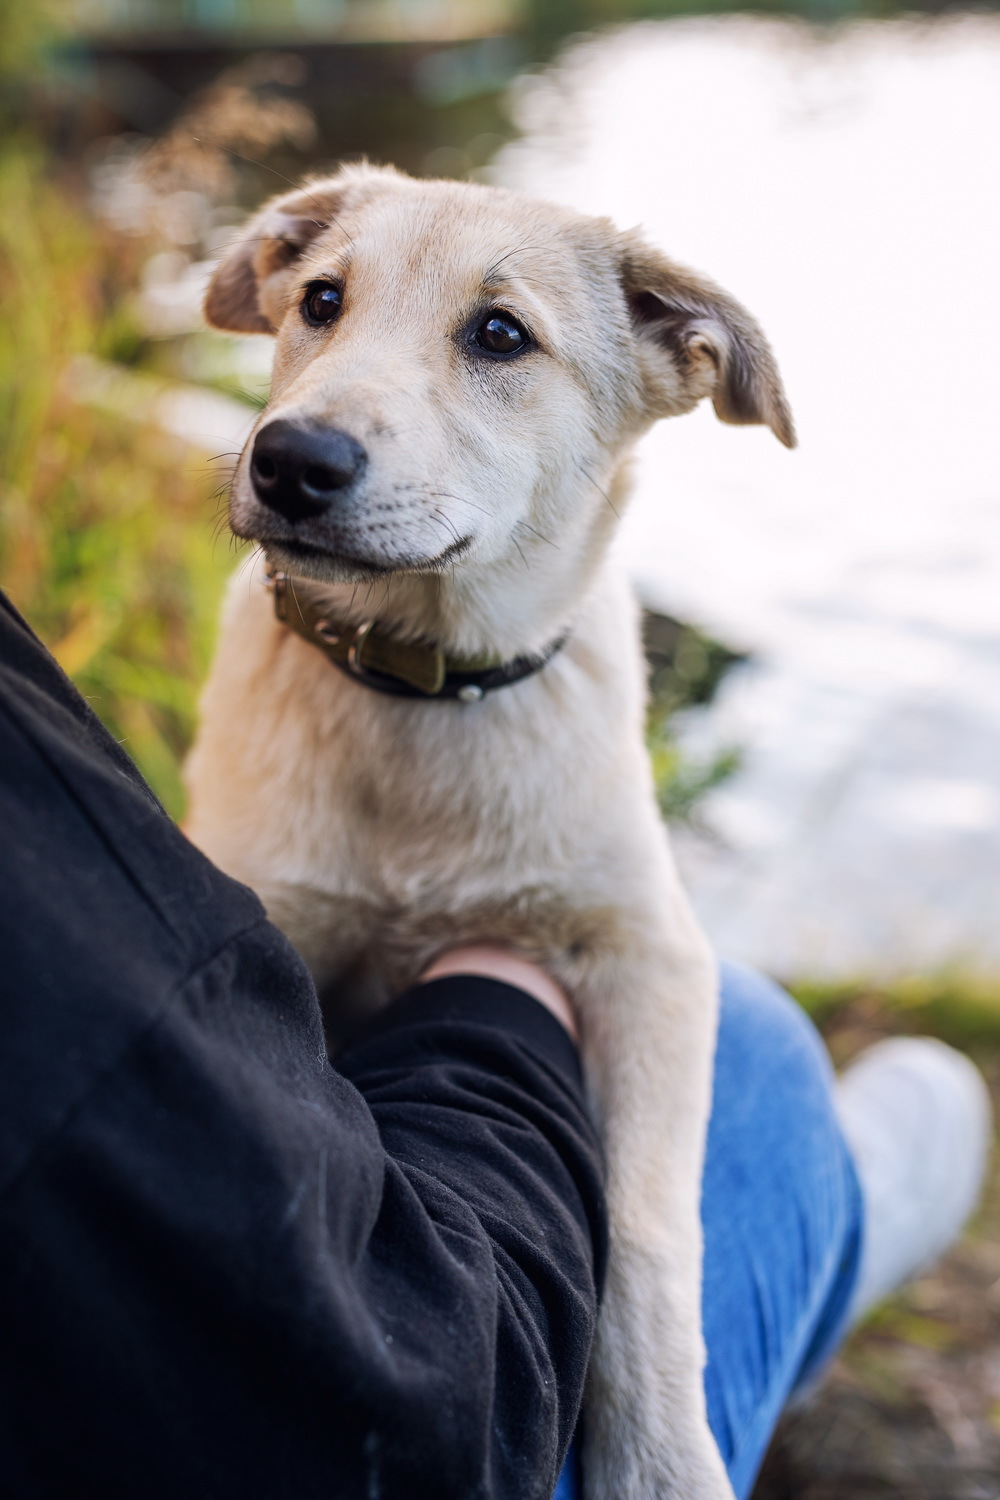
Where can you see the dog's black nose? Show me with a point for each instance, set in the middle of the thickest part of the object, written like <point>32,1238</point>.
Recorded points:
<point>301,471</point>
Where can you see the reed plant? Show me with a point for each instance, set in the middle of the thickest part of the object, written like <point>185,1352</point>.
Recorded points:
<point>107,537</point>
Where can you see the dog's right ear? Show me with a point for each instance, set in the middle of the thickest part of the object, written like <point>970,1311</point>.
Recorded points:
<point>696,340</point>
<point>244,294</point>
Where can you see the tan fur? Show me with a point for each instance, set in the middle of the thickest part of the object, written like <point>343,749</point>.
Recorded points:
<point>379,830</point>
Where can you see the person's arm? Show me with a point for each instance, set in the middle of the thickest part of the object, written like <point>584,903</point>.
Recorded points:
<point>227,1269</point>
<point>477,1096</point>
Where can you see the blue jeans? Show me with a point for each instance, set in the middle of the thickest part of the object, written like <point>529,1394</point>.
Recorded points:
<point>782,1216</point>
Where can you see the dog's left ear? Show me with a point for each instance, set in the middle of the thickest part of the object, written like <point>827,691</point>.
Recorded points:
<point>696,341</point>
<point>241,294</point>
<point>248,289</point>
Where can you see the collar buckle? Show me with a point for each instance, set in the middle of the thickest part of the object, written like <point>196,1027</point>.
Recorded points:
<point>354,661</point>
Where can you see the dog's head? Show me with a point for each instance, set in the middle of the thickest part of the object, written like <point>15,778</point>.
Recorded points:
<point>458,368</point>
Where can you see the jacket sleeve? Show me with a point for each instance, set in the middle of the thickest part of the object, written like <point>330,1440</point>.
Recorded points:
<point>226,1268</point>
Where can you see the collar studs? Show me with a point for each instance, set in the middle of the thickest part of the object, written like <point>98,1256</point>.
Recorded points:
<point>471,692</point>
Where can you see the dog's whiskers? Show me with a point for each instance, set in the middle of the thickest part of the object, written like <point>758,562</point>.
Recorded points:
<point>540,535</point>
<point>422,491</point>
<point>252,575</point>
<point>588,476</point>
<point>444,521</point>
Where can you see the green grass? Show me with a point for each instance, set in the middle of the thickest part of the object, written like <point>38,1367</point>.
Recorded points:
<point>107,534</point>
<point>960,1008</point>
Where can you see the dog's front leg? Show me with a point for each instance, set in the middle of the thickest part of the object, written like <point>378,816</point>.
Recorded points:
<point>649,1023</point>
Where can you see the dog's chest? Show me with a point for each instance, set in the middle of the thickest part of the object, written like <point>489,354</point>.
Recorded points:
<point>431,804</point>
<point>430,828</point>
<point>369,822</point>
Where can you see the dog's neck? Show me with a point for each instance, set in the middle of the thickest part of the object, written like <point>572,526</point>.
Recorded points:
<point>503,608</point>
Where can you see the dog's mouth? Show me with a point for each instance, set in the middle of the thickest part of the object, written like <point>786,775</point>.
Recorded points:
<point>342,542</point>
<point>335,565</point>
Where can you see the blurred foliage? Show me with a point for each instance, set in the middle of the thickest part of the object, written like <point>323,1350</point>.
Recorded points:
<point>106,541</point>
<point>683,783</point>
<point>686,667</point>
<point>552,20</point>
<point>25,30</point>
<point>960,1008</point>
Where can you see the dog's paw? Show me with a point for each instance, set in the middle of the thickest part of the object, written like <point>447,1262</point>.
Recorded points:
<point>647,1432</point>
<point>696,1474</point>
<point>691,1471</point>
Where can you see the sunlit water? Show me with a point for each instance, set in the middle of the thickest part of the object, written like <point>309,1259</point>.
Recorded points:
<point>845,186</point>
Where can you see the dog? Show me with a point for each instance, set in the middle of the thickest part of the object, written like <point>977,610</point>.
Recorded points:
<point>429,731</point>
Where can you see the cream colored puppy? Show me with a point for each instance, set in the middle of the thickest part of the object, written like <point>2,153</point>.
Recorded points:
<point>440,740</point>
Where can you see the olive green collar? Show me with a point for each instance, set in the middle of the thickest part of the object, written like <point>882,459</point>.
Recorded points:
<point>369,654</point>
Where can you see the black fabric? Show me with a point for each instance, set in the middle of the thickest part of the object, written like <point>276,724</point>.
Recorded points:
<point>227,1269</point>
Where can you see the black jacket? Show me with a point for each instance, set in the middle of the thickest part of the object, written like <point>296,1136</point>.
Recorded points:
<point>226,1268</point>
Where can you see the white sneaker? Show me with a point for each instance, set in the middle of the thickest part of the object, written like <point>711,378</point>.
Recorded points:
<point>918,1120</point>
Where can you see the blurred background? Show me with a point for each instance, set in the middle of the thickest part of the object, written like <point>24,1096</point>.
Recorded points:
<point>823,627</point>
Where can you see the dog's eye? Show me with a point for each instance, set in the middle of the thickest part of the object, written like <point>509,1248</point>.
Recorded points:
<point>321,303</point>
<point>501,334</point>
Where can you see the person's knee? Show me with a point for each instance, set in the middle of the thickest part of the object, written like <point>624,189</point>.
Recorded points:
<point>772,1069</point>
<point>765,1031</point>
